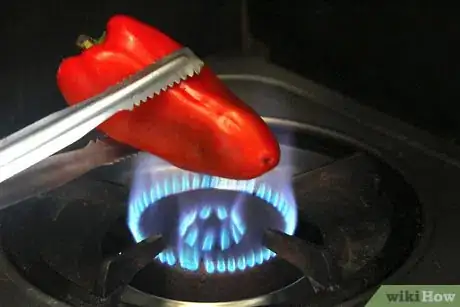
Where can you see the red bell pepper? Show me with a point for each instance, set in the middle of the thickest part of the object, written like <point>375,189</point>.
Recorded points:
<point>197,125</point>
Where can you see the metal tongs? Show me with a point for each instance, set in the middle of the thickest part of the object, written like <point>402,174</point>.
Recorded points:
<point>53,133</point>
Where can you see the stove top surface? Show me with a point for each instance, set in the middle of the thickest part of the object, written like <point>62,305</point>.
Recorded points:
<point>375,199</point>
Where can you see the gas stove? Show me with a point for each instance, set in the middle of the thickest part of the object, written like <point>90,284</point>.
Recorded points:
<point>358,200</point>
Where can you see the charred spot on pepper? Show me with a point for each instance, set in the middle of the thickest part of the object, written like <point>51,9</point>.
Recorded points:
<point>269,161</point>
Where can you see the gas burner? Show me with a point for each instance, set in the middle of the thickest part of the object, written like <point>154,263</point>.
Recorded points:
<point>342,220</point>
<point>357,221</point>
<point>219,222</point>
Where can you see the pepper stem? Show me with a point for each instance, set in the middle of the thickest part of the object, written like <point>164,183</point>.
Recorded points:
<point>85,42</point>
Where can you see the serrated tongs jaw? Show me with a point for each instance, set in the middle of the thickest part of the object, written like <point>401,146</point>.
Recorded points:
<point>58,130</point>
<point>151,81</point>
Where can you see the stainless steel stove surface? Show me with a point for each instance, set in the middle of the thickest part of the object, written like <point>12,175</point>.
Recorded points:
<point>360,199</point>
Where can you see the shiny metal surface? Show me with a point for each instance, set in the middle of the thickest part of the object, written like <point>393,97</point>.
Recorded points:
<point>38,141</point>
<point>134,296</point>
<point>59,169</point>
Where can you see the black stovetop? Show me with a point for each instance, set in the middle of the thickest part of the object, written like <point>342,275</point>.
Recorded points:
<point>385,176</point>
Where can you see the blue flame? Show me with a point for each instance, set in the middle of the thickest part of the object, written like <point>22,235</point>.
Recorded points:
<point>208,232</point>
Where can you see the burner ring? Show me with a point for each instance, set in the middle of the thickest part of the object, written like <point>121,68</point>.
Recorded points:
<point>156,186</point>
